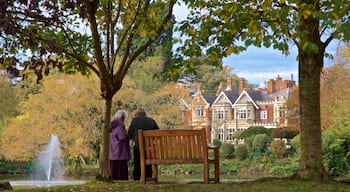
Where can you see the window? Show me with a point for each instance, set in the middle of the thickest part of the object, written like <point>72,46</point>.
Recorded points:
<point>281,112</point>
<point>198,111</point>
<point>263,114</point>
<point>243,114</point>
<point>220,135</point>
<point>229,133</point>
<point>221,114</point>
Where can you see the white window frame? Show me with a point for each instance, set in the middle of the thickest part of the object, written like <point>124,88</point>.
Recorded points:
<point>263,114</point>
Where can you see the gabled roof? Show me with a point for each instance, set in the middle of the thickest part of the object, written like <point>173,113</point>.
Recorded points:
<point>207,99</point>
<point>210,99</point>
<point>231,96</point>
<point>256,95</point>
<point>253,97</point>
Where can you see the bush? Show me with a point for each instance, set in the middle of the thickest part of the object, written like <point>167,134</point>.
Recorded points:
<point>278,148</point>
<point>253,131</point>
<point>227,151</point>
<point>241,152</point>
<point>295,144</point>
<point>335,153</point>
<point>217,143</point>
<point>260,143</point>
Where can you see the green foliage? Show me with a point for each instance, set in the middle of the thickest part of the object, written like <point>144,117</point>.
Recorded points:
<point>284,169</point>
<point>241,152</point>
<point>252,131</point>
<point>278,148</point>
<point>336,154</point>
<point>143,71</point>
<point>9,100</point>
<point>217,143</point>
<point>295,144</point>
<point>260,143</point>
<point>227,151</point>
<point>249,142</point>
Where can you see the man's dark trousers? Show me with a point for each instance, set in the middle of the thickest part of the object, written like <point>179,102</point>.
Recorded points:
<point>137,166</point>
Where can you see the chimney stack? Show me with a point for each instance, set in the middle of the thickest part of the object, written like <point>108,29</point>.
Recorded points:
<point>241,84</point>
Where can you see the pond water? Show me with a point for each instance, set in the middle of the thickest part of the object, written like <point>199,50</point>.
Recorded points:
<point>22,181</point>
<point>17,181</point>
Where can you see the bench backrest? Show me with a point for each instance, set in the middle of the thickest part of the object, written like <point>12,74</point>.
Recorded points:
<point>173,146</point>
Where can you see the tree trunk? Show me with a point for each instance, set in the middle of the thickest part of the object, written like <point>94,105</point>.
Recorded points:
<point>104,173</point>
<point>310,66</point>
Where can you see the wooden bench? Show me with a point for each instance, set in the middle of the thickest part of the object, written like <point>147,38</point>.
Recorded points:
<point>179,146</point>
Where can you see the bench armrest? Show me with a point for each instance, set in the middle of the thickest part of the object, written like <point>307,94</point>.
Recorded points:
<point>216,151</point>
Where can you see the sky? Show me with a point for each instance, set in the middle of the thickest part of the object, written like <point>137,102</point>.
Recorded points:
<point>257,65</point>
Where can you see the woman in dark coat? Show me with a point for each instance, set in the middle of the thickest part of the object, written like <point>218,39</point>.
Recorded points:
<point>119,148</point>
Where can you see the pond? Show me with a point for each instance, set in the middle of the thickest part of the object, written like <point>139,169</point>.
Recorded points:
<point>24,181</point>
<point>20,181</point>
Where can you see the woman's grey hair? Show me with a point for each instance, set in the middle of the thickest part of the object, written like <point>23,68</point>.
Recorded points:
<point>121,114</point>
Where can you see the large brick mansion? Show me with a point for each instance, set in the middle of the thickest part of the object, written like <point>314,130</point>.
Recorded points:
<point>234,109</point>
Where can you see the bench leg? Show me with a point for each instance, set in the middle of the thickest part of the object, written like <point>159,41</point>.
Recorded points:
<point>206,173</point>
<point>217,172</point>
<point>143,173</point>
<point>155,173</point>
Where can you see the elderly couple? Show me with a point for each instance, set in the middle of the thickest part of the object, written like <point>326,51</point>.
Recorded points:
<point>119,149</point>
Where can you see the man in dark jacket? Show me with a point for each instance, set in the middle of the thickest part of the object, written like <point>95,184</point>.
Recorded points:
<point>140,121</point>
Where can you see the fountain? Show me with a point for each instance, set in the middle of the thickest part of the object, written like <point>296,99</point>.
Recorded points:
<point>49,160</point>
<point>49,167</point>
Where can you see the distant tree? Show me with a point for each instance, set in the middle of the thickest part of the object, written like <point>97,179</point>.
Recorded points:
<point>143,74</point>
<point>211,77</point>
<point>293,110</point>
<point>335,95</point>
<point>163,105</point>
<point>67,106</point>
<point>9,99</point>
<point>99,37</point>
<point>221,28</point>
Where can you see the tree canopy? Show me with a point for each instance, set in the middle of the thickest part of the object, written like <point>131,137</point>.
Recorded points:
<point>220,28</point>
<point>86,36</point>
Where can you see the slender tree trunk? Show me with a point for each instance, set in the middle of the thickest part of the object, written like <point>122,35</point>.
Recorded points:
<point>104,173</point>
<point>310,66</point>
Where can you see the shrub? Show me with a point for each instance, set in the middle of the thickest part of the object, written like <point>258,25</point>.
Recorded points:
<point>217,143</point>
<point>241,151</point>
<point>260,143</point>
<point>335,152</point>
<point>227,151</point>
<point>278,148</point>
<point>252,131</point>
<point>295,144</point>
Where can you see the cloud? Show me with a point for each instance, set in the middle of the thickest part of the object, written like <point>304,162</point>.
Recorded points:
<point>261,64</point>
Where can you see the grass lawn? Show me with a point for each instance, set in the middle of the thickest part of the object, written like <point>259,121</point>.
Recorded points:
<point>268,185</point>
